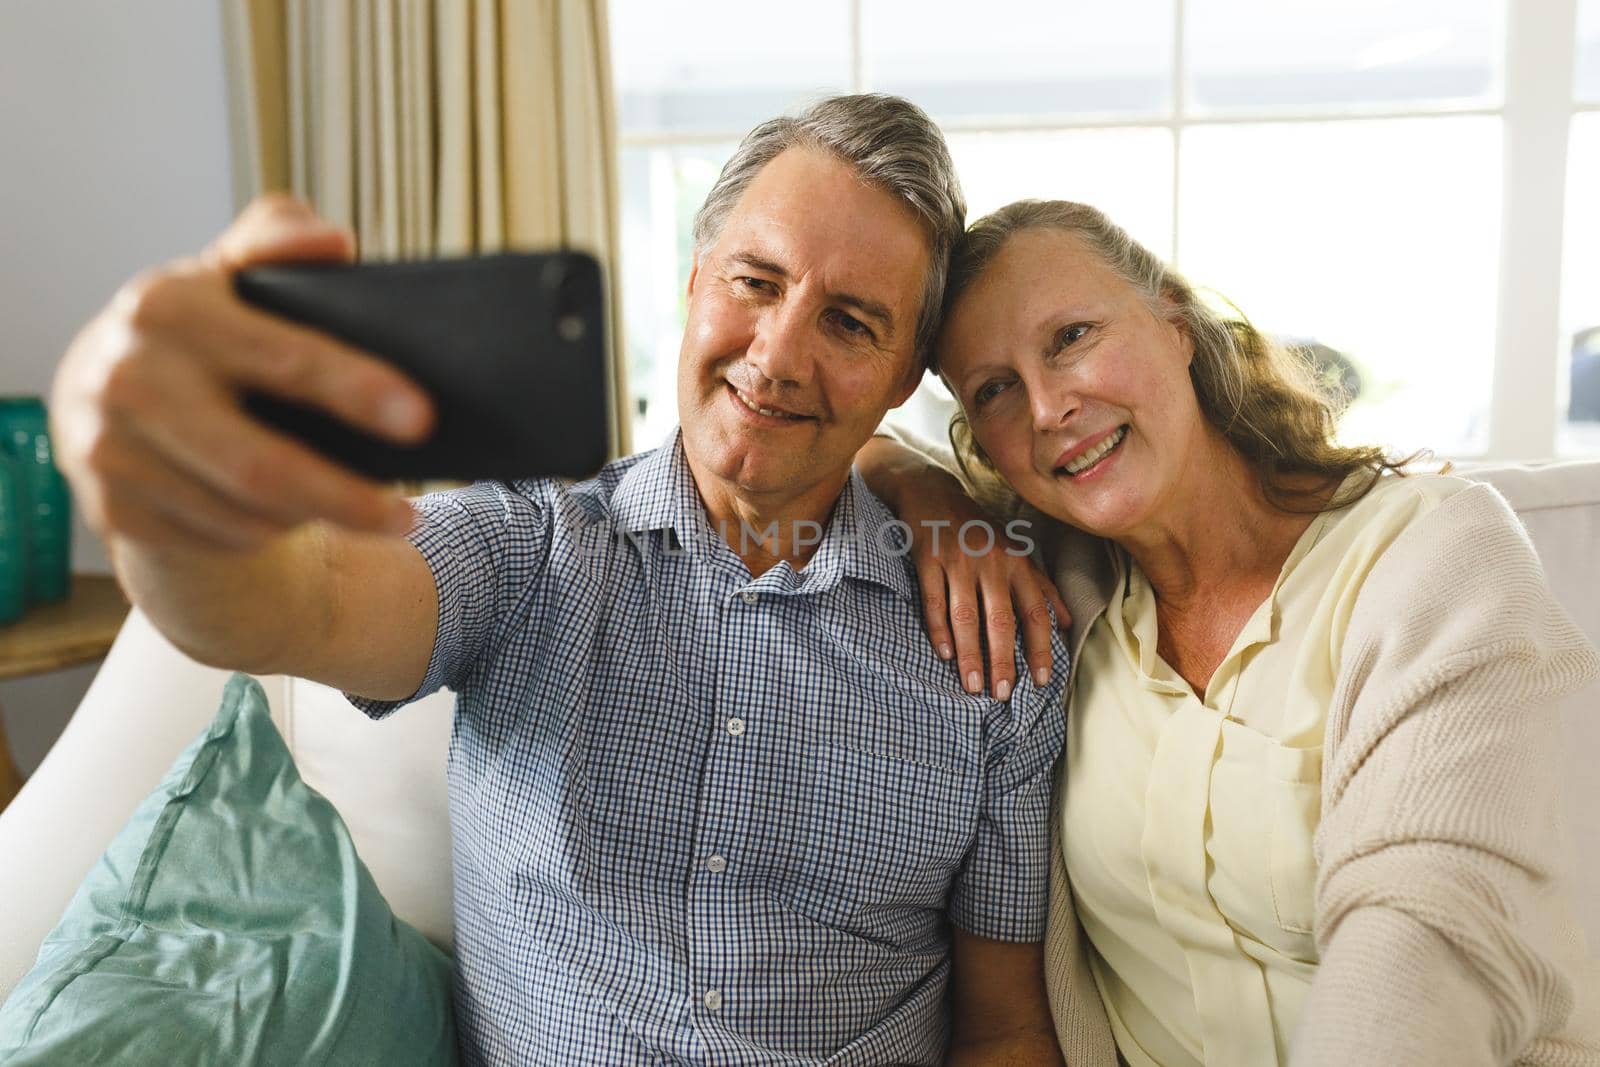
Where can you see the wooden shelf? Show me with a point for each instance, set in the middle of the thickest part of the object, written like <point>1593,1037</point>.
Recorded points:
<point>48,637</point>
<point>77,630</point>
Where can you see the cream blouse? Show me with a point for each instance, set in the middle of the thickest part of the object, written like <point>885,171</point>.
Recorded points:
<point>1187,824</point>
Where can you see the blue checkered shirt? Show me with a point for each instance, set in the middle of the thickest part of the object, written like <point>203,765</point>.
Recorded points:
<point>706,818</point>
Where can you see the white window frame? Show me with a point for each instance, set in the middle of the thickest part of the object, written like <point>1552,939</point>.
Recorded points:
<point>1539,102</point>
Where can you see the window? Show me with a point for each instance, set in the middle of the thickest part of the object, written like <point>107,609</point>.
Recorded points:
<point>1352,235</point>
<point>1020,61</point>
<point>1587,66</point>
<point>1342,170</point>
<point>1579,379</point>
<point>1246,57</point>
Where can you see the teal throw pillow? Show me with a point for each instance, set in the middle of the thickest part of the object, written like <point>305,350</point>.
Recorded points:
<point>231,922</point>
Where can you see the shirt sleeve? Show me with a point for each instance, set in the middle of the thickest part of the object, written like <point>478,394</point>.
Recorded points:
<point>487,545</point>
<point>1001,891</point>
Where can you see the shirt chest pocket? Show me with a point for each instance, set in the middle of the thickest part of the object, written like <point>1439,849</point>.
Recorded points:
<point>880,842</point>
<point>1265,803</point>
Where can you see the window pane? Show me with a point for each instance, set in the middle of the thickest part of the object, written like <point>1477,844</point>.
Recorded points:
<point>1014,59</point>
<point>1316,54</point>
<point>1125,173</point>
<point>1379,239</point>
<point>1588,58</point>
<point>662,188</point>
<point>1580,292</point>
<point>723,66</point>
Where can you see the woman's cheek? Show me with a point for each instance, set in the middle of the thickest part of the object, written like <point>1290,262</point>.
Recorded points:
<point>1012,451</point>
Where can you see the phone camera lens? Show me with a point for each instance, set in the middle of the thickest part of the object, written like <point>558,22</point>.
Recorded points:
<point>571,328</point>
<point>571,283</point>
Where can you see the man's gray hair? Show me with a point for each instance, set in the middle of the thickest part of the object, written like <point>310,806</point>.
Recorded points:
<point>888,141</point>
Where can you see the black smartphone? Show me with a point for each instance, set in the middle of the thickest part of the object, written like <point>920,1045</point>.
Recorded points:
<point>510,347</point>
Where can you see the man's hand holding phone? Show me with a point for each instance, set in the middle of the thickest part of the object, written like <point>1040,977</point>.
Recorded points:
<point>148,407</point>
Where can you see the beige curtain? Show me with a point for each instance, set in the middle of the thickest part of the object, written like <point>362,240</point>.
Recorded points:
<point>436,127</point>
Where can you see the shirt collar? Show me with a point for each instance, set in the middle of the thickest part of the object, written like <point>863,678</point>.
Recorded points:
<point>859,541</point>
<point>862,541</point>
<point>658,493</point>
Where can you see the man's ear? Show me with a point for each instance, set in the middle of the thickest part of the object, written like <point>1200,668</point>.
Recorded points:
<point>694,272</point>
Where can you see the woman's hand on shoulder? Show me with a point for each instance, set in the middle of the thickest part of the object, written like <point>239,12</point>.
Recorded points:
<point>977,580</point>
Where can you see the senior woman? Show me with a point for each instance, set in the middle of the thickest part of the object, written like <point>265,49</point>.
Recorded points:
<point>1308,808</point>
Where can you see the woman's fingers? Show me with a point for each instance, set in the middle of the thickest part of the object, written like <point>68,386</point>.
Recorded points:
<point>1037,599</point>
<point>973,603</point>
<point>966,622</point>
<point>935,607</point>
<point>976,589</point>
<point>1038,628</point>
<point>1000,628</point>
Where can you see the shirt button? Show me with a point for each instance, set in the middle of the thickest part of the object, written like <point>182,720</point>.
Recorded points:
<point>713,1000</point>
<point>716,864</point>
<point>736,726</point>
<point>748,596</point>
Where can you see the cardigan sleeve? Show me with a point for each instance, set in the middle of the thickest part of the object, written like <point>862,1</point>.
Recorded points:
<point>1443,918</point>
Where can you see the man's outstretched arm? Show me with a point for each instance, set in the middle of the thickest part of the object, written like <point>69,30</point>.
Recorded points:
<point>999,1008</point>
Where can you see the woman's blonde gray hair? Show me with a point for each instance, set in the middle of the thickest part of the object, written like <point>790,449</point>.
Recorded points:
<point>889,142</point>
<point>1266,400</point>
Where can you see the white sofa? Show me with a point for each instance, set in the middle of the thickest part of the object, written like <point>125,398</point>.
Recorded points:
<point>387,779</point>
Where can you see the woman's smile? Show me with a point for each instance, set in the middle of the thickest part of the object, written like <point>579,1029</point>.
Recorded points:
<point>1089,461</point>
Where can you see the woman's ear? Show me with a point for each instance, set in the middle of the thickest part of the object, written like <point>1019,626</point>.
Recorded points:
<point>1172,317</point>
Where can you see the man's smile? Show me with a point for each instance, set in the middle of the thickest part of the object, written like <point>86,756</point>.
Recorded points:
<point>765,412</point>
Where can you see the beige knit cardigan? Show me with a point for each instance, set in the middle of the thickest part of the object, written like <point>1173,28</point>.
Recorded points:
<point>1442,917</point>
<point>1445,931</point>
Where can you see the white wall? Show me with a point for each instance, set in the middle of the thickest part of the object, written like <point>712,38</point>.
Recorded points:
<point>113,156</point>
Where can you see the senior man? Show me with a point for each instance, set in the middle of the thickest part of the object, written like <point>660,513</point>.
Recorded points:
<point>714,797</point>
